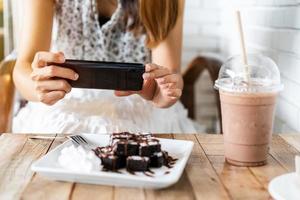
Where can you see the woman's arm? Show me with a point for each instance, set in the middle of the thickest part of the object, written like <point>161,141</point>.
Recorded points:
<point>35,36</point>
<point>163,82</point>
<point>31,75</point>
<point>168,54</point>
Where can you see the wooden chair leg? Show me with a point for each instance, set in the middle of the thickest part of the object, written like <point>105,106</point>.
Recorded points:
<point>191,75</point>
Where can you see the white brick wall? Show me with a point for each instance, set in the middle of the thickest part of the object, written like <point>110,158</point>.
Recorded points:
<point>201,22</point>
<point>272,27</point>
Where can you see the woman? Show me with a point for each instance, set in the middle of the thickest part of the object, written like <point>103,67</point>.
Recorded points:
<point>107,30</point>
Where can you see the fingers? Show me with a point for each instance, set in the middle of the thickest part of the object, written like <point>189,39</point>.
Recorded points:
<point>53,71</point>
<point>172,81</point>
<point>150,67</point>
<point>52,85</point>
<point>51,91</point>
<point>173,78</point>
<point>171,86</point>
<point>153,71</point>
<point>42,58</point>
<point>52,97</point>
<point>174,93</point>
<point>168,86</point>
<point>123,93</point>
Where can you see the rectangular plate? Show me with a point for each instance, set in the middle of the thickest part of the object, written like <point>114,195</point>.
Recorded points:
<point>180,149</point>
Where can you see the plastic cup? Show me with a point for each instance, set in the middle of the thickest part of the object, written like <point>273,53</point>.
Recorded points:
<point>248,108</point>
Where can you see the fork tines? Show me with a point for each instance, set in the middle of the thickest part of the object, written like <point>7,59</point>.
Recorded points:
<point>78,139</point>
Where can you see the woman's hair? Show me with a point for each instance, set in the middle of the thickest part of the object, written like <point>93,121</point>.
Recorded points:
<point>156,18</point>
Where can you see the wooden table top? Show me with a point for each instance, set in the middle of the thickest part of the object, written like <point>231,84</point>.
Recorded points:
<point>206,175</point>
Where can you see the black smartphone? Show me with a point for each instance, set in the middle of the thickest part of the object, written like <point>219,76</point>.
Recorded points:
<point>106,75</point>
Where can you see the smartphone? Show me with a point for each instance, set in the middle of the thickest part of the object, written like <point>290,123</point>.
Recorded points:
<point>106,75</point>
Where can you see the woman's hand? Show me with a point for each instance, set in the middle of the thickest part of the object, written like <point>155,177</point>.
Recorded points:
<point>168,85</point>
<point>161,86</point>
<point>50,80</point>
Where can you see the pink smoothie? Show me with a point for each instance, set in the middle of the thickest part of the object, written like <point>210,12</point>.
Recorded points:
<point>247,126</point>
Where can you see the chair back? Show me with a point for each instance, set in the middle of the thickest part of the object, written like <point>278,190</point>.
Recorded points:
<point>192,74</point>
<point>13,13</point>
<point>7,92</point>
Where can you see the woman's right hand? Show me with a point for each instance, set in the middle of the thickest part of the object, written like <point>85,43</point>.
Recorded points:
<point>50,80</point>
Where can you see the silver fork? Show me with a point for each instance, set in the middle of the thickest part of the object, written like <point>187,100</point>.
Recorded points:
<point>79,140</point>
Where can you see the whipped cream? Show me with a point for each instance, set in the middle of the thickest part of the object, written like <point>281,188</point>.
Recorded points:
<point>78,159</point>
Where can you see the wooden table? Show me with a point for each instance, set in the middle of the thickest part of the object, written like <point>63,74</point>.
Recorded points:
<point>206,176</point>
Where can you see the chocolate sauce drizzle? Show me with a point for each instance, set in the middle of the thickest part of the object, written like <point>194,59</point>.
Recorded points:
<point>127,138</point>
<point>169,160</point>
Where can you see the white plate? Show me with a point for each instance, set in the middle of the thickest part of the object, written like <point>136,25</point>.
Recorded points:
<point>180,149</point>
<point>285,187</point>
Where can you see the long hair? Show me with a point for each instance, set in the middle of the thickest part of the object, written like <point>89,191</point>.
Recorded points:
<point>156,18</point>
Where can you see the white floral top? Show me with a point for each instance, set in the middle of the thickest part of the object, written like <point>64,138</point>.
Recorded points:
<point>80,36</point>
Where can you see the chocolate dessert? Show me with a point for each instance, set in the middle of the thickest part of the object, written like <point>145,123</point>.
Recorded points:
<point>120,136</point>
<point>149,147</point>
<point>136,152</point>
<point>109,160</point>
<point>157,160</point>
<point>126,147</point>
<point>113,162</point>
<point>137,163</point>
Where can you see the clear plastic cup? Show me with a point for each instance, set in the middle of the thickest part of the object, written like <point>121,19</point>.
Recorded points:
<point>248,97</point>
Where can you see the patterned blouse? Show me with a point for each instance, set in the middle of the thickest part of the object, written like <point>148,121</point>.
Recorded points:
<point>79,34</point>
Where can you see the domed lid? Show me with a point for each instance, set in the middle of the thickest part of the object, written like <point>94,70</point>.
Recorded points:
<point>260,75</point>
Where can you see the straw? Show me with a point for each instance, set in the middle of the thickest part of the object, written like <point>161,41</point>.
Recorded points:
<point>243,46</point>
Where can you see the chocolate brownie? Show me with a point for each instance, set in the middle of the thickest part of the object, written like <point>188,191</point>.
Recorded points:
<point>126,147</point>
<point>137,163</point>
<point>109,160</point>
<point>149,147</point>
<point>136,152</point>
<point>157,160</point>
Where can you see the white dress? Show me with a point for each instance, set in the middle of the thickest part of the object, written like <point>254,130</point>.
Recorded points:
<point>79,35</point>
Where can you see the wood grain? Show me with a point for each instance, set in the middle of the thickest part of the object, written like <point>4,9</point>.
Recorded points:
<point>214,148</point>
<point>293,140</point>
<point>239,182</point>
<point>203,178</point>
<point>206,175</point>
<point>181,190</point>
<point>43,188</point>
<point>283,152</point>
<point>124,193</point>
<point>212,144</point>
<point>92,192</point>
<point>266,173</point>
<point>17,154</point>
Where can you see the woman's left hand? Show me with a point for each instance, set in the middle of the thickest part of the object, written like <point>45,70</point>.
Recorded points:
<point>161,86</point>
